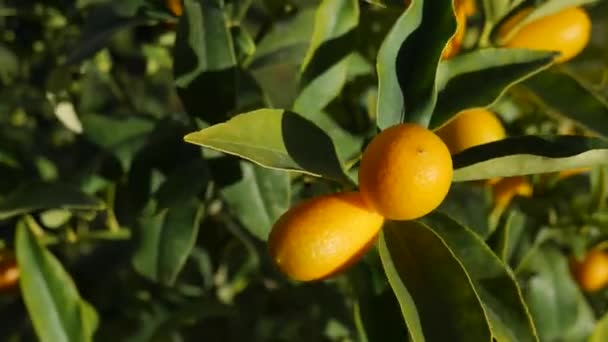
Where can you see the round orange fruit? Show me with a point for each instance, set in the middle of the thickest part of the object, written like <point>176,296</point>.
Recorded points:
<point>406,172</point>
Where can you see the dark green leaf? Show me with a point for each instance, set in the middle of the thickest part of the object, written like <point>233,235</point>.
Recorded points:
<point>101,24</point>
<point>37,196</point>
<point>408,60</point>
<point>183,184</point>
<point>528,155</point>
<point>259,198</point>
<point>166,239</point>
<point>557,89</point>
<point>490,72</point>
<point>204,61</point>
<point>276,139</point>
<point>493,281</point>
<point>436,296</point>
<point>57,311</point>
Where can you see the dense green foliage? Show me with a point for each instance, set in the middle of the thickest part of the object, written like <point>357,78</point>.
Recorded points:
<point>124,229</point>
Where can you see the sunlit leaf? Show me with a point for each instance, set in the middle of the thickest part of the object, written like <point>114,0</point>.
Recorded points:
<point>526,155</point>
<point>276,139</point>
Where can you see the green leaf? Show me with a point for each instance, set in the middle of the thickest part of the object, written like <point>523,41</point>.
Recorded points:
<point>599,188</point>
<point>55,218</point>
<point>493,281</point>
<point>243,40</point>
<point>166,239</point>
<point>600,332</point>
<point>57,311</point>
<point>101,23</point>
<point>286,42</point>
<point>505,239</point>
<point>184,183</point>
<point>277,139</point>
<point>491,72</point>
<point>376,312</point>
<point>203,41</point>
<point>205,61</point>
<point>556,89</point>
<point>259,198</point>
<point>9,64</point>
<point>560,310</point>
<point>469,205</point>
<point>526,155</point>
<point>436,295</point>
<point>121,137</point>
<point>494,9</point>
<point>37,196</point>
<point>325,66</point>
<point>408,60</point>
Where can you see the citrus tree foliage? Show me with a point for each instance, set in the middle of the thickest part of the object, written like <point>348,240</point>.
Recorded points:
<point>147,147</point>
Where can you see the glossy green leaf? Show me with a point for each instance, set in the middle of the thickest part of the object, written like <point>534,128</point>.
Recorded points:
<point>165,240</point>
<point>437,298</point>
<point>325,66</point>
<point>37,196</point>
<point>57,311</point>
<point>407,63</point>
<point>259,198</point>
<point>205,61</point>
<point>531,154</point>
<point>276,139</point>
<point>560,310</point>
<point>556,89</point>
<point>544,9</point>
<point>491,72</point>
<point>493,281</point>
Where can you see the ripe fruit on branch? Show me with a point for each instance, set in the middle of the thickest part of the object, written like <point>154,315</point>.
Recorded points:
<point>567,31</point>
<point>406,172</point>
<point>592,272</point>
<point>323,236</point>
<point>470,128</point>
